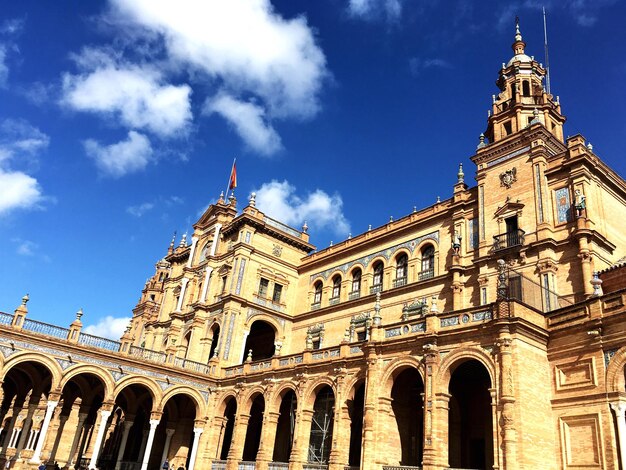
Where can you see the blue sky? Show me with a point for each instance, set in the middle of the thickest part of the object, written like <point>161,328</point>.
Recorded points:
<point>119,121</point>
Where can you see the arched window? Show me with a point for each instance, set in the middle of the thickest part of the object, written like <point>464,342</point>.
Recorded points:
<point>336,290</point>
<point>215,337</point>
<point>356,284</point>
<point>317,294</point>
<point>321,436</point>
<point>402,262</point>
<point>428,262</point>
<point>377,280</point>
<point>260,340</point>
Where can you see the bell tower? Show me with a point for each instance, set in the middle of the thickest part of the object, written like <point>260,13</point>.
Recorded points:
<point>522,100</point>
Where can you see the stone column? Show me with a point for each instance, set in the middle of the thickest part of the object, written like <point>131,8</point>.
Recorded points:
<point>301,442</point>
<point>205,285</point>
<point>441,432</point>
<point>146,456</point>
<point>216,237</point>
<point>268,434</point>
<point>235,453</point>
<point>192,251</point>
<point>26,424</point>
<point>181,298</point>
<point>197,432</point>
<point>166,448</point>
<point>431,428</point>
<point>50,406</point>
<point>338,457</point>
<point>507,398</point>
<point>619,408</point>
<point>104,417</point>
<point>370,409</point>
<point>120,455</point>
<point>79,430</point>
<point>62,420</point>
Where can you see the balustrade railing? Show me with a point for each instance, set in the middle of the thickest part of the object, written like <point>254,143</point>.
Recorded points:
<point>246,465</point>
<point>6,318</point>
<point>316,305</point>
<point>315,466</point>
<point>401,467</point>
<point>129,465</point>
<point>191,365</point>
<point>45,328</point>
<point>280,226</point>
<point>333,300</point>
<point>98,342</point>
<point>147,354</point>
<point>278,466</point>
<point>218,465</point>
<point>399,282</point>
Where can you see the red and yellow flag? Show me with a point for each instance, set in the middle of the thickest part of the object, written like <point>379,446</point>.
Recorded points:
<point>232,183</point>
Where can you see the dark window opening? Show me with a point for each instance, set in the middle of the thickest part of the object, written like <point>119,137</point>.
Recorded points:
<point>278,290</point>
<point>525,88</point>
<point>214,341</point>
<point>508,130</point>
<point>406,404</point>
<point>355,410</point>
<point>260,340</point>
<point>285,428</point>
<point>263,287</point>
<point>227,427</point>
<point>321,436</point>
<point>317,297</point>
<point>254,429</point>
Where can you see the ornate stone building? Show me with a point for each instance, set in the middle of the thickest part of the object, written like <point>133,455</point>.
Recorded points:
<point>470,334</point>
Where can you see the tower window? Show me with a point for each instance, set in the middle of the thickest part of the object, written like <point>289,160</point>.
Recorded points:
<point>508,130</point>
<point>263,286</point>
<point>278,290</point>
<point>525,88</point>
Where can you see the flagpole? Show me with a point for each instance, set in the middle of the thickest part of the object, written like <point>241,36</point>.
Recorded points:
<point>229,177</point>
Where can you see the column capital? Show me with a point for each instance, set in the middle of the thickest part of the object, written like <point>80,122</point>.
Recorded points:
<point>52,404</point>
<point>198,431</point>
<point>154,423</point>
<point>170,432</point>
<point>105,413</point>
<point>155,416</point>
<point>128,424</point>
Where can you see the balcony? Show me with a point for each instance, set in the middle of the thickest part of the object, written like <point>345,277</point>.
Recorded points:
<point>426,274</point>
<point>355,294</point>
<point>316,305</point>
<point>333,300</point>
<point>376,288</point>
<point>508,240</point>
<point>399,282</point>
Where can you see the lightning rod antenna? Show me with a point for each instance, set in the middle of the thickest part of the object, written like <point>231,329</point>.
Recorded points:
<point>545,46</point>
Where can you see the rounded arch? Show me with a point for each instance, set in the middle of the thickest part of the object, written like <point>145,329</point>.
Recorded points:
<point>211,324</point>
<point>458,357</point>
<point>224,400</point>
<point>262,316</point>
<point>192,393</point>
<point>424,243</point>
<point>311,391</point>
<point>615,379</point>
<point>355,266</point>
<point>102,374</point>
<point>354,383</point>
<point>154,390</point>
<point>318,280</point>
<point>338,273</point>
<point>377,259</point>
<point>50,364</point>
<point>396,367</point>
<point>276,397</point>
<point>250,396</point>
<point>399,252</point>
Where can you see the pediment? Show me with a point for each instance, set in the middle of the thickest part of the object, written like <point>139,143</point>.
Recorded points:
<point>509,207</point>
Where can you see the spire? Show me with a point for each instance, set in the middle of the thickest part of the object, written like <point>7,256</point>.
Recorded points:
<point>170,249</point>
<point>519,44</point>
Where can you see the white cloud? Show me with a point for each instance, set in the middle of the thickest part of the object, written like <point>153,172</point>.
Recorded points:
<point>137,95</point>
<point>418,65</point>
<point>240,46</point>
<point>141,209</point>
<point>18,191</point>
<point>20,143</point>
<point>127,156</point>
<point>4,68</point>
<point>12,26</point>
<point>25,247</point>
<point>319,209</point>
<point>249,121</point>
<point>373,9</point>
<point>108,327</point>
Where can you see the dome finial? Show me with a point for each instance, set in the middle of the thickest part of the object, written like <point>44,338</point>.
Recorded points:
<point>518,35</point>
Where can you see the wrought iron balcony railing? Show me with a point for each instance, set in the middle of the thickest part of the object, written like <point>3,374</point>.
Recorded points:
<point>508,240</point>
<point>376,288</point>
<point>426,274</point>
<point>355,294</point>
<point>399,282</point>
<point>333,300</point>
